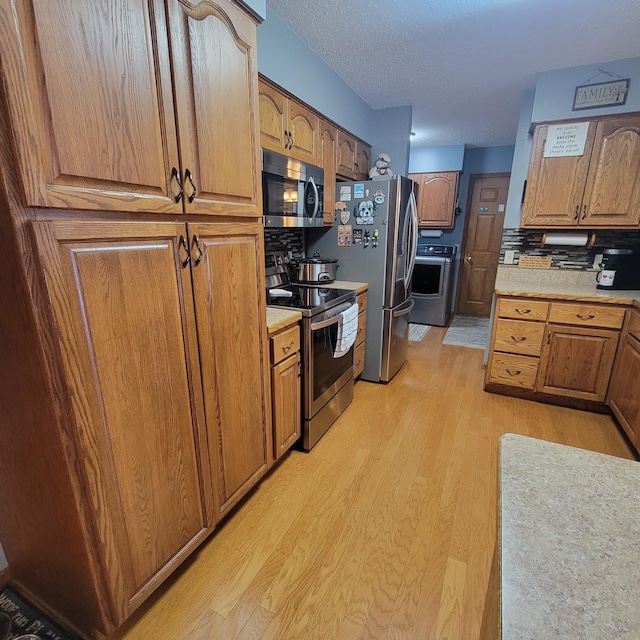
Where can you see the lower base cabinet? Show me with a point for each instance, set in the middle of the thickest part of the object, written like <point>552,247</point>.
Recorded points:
<point>358,360</point>
<point>553,348</point>
<point>624,391</point>
<point>158,364</point>
<point>286,391</point>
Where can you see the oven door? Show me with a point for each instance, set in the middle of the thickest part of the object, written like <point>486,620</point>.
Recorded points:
<point>324,375</point>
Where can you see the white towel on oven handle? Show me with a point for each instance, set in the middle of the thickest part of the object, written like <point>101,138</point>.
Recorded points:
<point>347,330</point>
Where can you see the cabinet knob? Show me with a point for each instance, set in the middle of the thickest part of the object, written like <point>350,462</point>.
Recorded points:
<point>518,338</point>
<point>585,316</point>
<point>189,177</point>
<point>175,176</point>
<point>577,214</point>
<point>514,372</point>
<point>523,311</point>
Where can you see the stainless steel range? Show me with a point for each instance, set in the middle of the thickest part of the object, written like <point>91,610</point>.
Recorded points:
<point>327,381</point>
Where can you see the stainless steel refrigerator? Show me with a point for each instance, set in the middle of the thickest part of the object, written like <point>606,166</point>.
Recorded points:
<point>374,237</point>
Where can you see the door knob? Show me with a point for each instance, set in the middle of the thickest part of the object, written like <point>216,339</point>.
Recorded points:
<point>468,260</point>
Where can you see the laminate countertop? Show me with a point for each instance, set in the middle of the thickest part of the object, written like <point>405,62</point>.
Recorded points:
<point>569,542</point>
<point>279,318</point>
<point>561,284</point>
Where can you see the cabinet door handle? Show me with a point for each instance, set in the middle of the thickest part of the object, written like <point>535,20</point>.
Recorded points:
<point>189,177</point>
<point>185,246</point>
<point>577,214</point>
<point>514,372</point>
<point>176,176</point>
<point>585,316</point>
<point>584,211</point>
<point>518,338</point>
<point>523,311</point>
<point>286,347</point>
<point>197,245</point>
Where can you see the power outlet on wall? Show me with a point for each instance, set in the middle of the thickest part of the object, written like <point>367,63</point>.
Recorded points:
<point>509,256</point>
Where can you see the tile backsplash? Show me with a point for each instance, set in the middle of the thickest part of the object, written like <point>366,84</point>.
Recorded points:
<point>527,241</point>
<point>284,240</point>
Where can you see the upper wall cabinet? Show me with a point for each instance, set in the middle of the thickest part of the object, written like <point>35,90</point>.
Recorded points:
<point>600,188</point>
<point>354,157</point>
<point>286,126</point>
<point>139,106</point>
<point>436,198</point>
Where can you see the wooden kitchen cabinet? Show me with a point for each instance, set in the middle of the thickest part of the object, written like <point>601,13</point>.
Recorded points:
<point>328,146</point>
<point>516,343</point>
<point>354,157</point>
<point>553,348</point>
<point>159,369</point>
<point>230,306</point>
<point>437,193</point>
<point>358,361</point>
<point>143,124</point>
<point>286,389</point>
<point>624,390</point>
<point>577,361</point>
<point>286,125</point>
<point>600,188</point>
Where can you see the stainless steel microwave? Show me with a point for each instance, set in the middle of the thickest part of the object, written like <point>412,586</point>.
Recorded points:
<point>292,191</point>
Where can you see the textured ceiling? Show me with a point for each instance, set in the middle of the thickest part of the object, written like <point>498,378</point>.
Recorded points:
<point>461,64</point>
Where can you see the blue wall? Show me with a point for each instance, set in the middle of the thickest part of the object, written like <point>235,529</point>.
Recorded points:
<point>392,134</point>
<point>555,90</point>
<point>427,159</point>
<point>284,58</point>
<point>259,6</point>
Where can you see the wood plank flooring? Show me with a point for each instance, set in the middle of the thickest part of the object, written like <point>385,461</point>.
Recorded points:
<point>385,530</point>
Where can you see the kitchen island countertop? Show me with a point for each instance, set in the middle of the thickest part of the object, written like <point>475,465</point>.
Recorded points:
<point>569,542</point>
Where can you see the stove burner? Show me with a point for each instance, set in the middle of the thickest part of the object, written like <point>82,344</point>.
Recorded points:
<point>310,300</point>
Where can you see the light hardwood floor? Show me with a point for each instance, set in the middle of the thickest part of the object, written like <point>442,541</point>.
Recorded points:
<point>385,530</point>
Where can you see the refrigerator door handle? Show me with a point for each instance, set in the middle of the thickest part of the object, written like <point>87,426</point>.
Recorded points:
<point>411,253</point>
<point>403,312</point>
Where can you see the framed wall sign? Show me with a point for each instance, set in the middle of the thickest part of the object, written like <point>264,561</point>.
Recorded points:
<point>604,94</point>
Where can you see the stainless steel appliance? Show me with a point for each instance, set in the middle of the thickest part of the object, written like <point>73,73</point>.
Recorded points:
<point>317,270</point>
<point>292,191</point>
<point>620,269</point>
<point>432,284</point>
<point>374,237</point>
<point>327,381</point>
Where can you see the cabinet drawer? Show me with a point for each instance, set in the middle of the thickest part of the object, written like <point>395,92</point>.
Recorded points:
<point>587,315</point>
<point>285,344</point>
<point>516,371</point>
<point>518,336</point>
<point>522,309</point>
<point>362,328</point>
<point>362,301</point>
<point>358,360</point>
<point>633,327</point>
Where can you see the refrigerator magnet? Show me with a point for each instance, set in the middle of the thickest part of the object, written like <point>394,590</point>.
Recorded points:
<point>345,194</point>
<point>342,213</point>
<point>378,197</point>
<point>357,236</point>
<point>358,190</point>
<point>365,212</point>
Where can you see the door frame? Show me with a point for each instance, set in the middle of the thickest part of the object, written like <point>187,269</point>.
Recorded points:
<point>465,234</point>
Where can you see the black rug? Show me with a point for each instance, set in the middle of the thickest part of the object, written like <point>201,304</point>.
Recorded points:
<point>18,617</point>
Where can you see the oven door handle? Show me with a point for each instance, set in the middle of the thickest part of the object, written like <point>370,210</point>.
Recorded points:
<point>404,312</point>
<point>325,323</point>
<point>316,203</point>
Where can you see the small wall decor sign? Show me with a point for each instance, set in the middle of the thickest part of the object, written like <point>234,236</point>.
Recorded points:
<point>566,140</point>
<point>604,94</point>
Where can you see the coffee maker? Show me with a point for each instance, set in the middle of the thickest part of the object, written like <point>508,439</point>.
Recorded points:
<point>620,269</point>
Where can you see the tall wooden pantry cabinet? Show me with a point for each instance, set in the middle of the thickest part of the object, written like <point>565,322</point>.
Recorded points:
<point>134,370</point>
